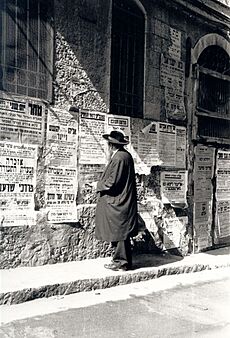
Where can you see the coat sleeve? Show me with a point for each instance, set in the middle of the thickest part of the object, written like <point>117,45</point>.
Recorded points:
<point>113,176</point>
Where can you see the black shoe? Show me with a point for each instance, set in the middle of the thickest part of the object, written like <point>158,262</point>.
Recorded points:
<point>116,267</point>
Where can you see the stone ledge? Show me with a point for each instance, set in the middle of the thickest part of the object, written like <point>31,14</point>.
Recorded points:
<point>90,284</point>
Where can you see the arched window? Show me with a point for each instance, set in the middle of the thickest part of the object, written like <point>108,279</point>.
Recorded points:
<point>214,93</point>
<point>26,48</point>
<point>127,59</point>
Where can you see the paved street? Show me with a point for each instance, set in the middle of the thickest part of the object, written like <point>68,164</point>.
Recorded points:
<point>188,305</point>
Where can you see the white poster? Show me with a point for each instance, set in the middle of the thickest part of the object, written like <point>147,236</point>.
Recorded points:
<point>167,144</point>
<point>175,47</point>
<point>173,187</point>
<point>61,139</point>
<point>18,165</point>
<point>120,123</point>
<point>223,218</point>
<point>181,147</point>
<point>174,229</point>
<point>61,166</point>
<point>22,120</point>
<point>223,175</point>
<point>148,147</point>
<point>92,126</point>
<point>203,173</point>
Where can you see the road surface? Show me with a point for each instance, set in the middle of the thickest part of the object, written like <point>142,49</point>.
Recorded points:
<point>188,305</point>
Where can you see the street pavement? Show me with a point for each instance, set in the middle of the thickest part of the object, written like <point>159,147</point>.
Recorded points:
<point>181,306</point>
<point>27,283</point>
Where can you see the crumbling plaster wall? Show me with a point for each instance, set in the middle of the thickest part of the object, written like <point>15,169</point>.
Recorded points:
<point>82,71</point>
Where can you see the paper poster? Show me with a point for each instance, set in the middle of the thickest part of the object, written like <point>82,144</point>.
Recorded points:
<point>18,165</point>
<point>203,173</point>
<point>172,78</point>
<point>175,47</point>
<point>223,175</point>
<point>21,120</point>
<point>202,221</point>
<point>173,187</point>
<point>61,139</point>
<point>223,218</point>
<point>167,144</point>
<point>174,228</point>
<point>148,147</point>
<point>120,123</point>
<point>181,147</point>
<point>92,126</point>
<point>60,194</point>
<point>61,166</point>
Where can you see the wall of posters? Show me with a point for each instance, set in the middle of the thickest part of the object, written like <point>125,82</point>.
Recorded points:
<point>92,126</point>
<point>61,166</point>
<point>18,165</point>
<point>21,120</point>
<point>174,187</point>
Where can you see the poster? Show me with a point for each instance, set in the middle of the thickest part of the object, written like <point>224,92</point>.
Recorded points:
<point>223,175</point>
<point>172,78</point>
<point>174,229</point>
<point>175,47</point>
<point>22,120</point>
<point>223,218</point>
<point>61,139</point>
<point>203,173</point>
<point>167,144</point>
<point>148,147</point>
<point>181,147</point>
<point>174,187</point>
<point>92,126</point>
<point>18,165</point>
<point>61,166</point>
<point>120,123</point>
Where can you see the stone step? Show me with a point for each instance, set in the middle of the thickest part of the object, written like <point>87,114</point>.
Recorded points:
<point>27,283</point>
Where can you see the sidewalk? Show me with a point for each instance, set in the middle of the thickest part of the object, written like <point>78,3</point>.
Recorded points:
<point>27,283</point>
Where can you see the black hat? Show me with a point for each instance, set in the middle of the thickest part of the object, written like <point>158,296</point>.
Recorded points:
<point>116,137</point>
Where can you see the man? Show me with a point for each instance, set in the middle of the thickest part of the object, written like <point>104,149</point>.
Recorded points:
<point>116,212</point>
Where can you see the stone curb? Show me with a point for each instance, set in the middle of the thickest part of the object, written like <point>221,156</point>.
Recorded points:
<point>83,285</point>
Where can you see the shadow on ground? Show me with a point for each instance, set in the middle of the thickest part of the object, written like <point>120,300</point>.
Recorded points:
<point>154,260</point>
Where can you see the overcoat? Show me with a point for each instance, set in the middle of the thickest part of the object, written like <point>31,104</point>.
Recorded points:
<point>116,211</point>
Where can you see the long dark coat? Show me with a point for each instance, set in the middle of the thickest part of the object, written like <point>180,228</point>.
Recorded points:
<point>116,212</point>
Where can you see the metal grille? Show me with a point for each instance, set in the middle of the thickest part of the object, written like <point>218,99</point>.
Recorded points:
<point>27,47</point>
<point>127,59</point>
<point>214,95</point>
<point>214,128</point>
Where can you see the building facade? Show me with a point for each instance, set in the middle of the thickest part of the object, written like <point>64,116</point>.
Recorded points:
<point>73,70</point>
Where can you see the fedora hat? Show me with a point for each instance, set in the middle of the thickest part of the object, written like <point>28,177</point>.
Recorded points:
<point>115,137</point>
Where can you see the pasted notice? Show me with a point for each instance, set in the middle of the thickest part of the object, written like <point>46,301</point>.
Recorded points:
<point>18,164</point>
<point>61,139</point>
<point>120,123</point>
<point>172,78</point>
<point>174,228</point>
<point>60,194</point>
<point>167,144</point>
<point>148,148</point>
<point>92,146</point>
<point>175,47</point>
<point>202,224</point>
<point>61,166</point>
<point>223,218</point>
<point>22,120</point>
<point>173,187</point>
<point>223,175</point>
<point>203,172</point>
<point>180,147</point>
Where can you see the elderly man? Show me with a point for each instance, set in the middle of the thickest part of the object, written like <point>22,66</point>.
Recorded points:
<point>116,212</point>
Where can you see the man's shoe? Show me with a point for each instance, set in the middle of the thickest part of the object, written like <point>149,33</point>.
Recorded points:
<point>116,267</point>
